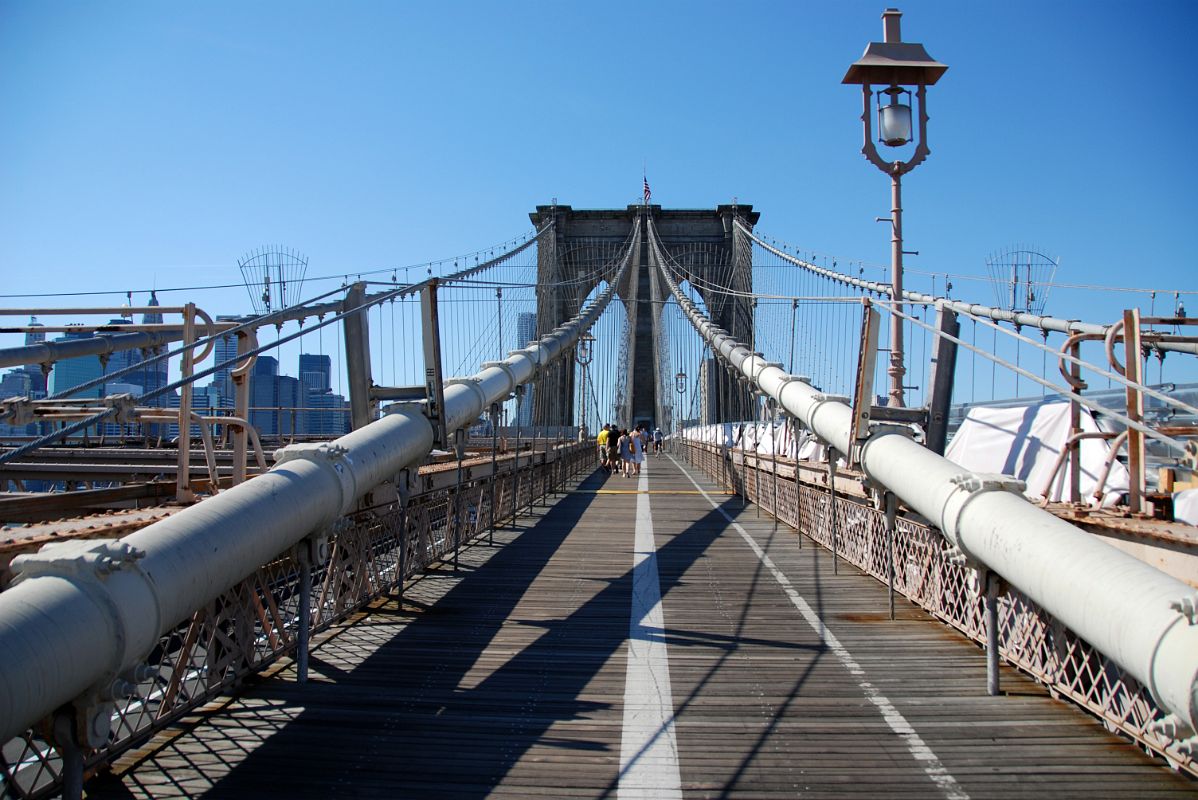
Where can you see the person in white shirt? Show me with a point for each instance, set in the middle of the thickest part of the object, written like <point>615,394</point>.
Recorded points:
<point>638,450</point>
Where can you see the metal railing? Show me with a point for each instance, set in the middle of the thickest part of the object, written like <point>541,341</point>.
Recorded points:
<point>921,565</point>
<point>256,623</point>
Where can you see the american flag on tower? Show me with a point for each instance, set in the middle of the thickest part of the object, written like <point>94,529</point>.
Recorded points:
<point>648,193</point>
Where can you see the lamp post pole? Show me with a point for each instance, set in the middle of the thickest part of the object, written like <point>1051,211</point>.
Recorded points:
<point>897,369</point>
<point>584,355</point>
<point>680,387</point>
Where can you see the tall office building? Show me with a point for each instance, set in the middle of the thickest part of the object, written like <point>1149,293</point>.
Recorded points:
<point>526,328</point>
<point>326,415</point>
<point>226,348</point>
<point>154,376</point>
<point>315,372</point>
<point>152,317</point>
<point>71,372</point>
<point>292,397</point>
<point>526,331</point>
<point>264,395</point>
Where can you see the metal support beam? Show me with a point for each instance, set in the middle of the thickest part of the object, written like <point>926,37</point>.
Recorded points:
<point>1134,372</point>
<point>516,462</point>
<point>863,392</point>
<point>990,587</point>
<point>304,632</point>
<point>890,504</point>
<point>943,371</point>
<point>434,381</point>
<point>357,357</point>
<point>459,449</point>
<point>183,492</point>
<point>66,736</point>
<point>102,345</point>
<point>832,523</point>
<point>403,490</point>
<point>494,475</point>
<point>246,341</point>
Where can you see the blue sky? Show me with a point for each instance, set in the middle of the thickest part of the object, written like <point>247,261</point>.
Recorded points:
<point>156,143</point>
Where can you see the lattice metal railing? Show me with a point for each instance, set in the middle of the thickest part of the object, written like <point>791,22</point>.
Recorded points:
<point>255,623</point>
<point>926,573</point>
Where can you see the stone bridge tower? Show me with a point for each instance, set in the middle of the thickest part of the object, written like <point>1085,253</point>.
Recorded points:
<point>703,242</point>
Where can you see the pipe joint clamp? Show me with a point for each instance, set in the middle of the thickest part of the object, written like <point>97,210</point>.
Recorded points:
<point>90,564</point>
<point>332,457</point>
<point>124,405</point>
<point>830,398</point>
<point>988,482</point>
<point>473,384</point>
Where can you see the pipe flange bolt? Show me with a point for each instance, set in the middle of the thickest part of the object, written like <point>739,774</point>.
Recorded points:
<point>124,405</point>
<point>79,558</point>
<point>974,482</point>
<point>1188,607</point>
<point>831,398</point>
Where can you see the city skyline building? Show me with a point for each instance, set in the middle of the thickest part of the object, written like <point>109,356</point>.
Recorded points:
<point>71,372</point>
<point>264,395</point>
<point>315,371</point>
<point>225,349</point>
<point>280,404</point>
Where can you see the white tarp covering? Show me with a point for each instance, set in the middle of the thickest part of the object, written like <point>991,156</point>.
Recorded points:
<point>1185,506</point>
<point>1026,443</point>
<point>762,438</point>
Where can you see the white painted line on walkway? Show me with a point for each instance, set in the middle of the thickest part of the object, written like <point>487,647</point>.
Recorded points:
<point>648,746</point>
<point>898,723</point>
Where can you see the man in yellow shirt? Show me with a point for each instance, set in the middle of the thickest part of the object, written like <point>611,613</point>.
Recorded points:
<point>601,439</point>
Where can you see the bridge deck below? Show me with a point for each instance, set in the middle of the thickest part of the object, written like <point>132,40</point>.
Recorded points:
<point>511,678</point>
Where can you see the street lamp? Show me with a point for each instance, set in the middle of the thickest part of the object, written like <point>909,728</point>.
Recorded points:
<point>680,387</point>
<point>895,64</point>
<point>584,355</point>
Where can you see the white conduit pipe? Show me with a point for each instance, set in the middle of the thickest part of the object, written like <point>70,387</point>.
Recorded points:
<point>84,613</point>
<point>1138,616</point>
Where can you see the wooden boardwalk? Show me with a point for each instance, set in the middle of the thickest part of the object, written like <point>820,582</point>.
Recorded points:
<point>508,679</point>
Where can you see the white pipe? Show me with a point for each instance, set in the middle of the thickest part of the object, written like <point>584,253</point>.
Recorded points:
<point>1126,609</point>
<point>84,612</point>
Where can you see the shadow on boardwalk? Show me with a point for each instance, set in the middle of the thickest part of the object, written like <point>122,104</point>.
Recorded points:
<point>433,712</point>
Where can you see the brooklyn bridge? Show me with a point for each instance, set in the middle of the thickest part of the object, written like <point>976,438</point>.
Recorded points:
<point>874,537</point>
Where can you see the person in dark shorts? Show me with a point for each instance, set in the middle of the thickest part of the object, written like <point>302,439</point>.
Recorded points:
<point>603,440</point>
